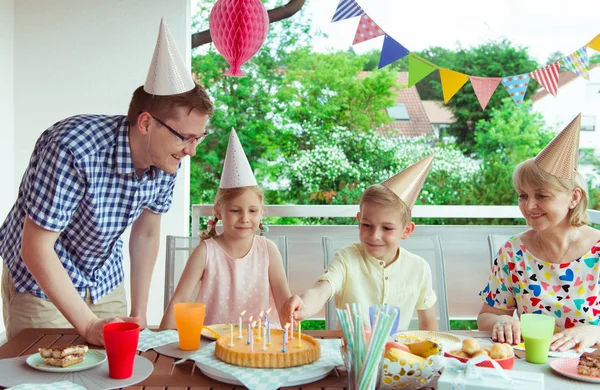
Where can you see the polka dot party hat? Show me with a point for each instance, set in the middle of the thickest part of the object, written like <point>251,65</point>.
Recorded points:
<point>236,169</point>
<point>168,74</point>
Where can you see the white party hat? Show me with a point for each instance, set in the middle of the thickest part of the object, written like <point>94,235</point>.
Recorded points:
<point>236,169</point>
<point>168,74</point>
<point>408,183</point>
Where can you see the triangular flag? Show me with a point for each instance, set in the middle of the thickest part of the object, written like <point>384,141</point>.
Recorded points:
<point>367,29</point>
<point>418,69</point>
<point>578,62</point>
<point>236,168</point>
<point>391,51</point>
<point>548,77</point>
<point>347,9</point>
<point>561,156</point>
<point>516,86</point>
<point>484,88</point>
<point>408,183</point>
<point>594,43</point>
<point>168,74</point>
<point>452,81</point>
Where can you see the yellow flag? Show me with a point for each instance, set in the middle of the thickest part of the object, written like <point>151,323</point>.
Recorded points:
<point>451,82</point>
<point>595,43</point>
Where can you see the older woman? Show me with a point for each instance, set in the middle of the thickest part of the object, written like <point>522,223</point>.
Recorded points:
<point>552,268</point>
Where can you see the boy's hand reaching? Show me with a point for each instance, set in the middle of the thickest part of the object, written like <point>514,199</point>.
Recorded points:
<point>295,306</point>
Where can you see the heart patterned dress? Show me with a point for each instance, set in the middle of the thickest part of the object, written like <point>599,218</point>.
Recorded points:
<point>567,291</point>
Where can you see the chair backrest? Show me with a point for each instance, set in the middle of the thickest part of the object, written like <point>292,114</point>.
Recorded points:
<point>429,248</point>
<point>495,242</point>
<point>180,248</point>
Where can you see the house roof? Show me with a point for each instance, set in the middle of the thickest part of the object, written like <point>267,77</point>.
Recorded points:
<point>563,79</point>
<point>419,124</point>
<point>437,112</point>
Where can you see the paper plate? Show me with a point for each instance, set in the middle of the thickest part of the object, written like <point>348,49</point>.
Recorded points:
<point>448,341</point>
<point>93,358</point>
<point>568,368</point>
<point>219,328</point>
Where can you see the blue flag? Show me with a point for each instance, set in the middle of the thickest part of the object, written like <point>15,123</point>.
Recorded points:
<point>391,51</point>
<point>347,9</point>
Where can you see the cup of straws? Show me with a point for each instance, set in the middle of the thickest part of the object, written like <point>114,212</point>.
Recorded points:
<point>363,359</point>
<point>370,365</point>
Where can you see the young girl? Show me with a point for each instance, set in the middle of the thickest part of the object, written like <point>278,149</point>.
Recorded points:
<point>236,270</point>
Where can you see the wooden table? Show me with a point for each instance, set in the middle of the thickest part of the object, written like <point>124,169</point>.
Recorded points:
<point>188,376</point>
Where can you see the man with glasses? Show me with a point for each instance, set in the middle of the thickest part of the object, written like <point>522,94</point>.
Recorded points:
<point>89,178</point>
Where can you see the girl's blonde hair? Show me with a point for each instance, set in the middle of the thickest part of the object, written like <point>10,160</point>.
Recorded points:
<point>381,195</point>
<point>224,196</point>
<point>528,173</point>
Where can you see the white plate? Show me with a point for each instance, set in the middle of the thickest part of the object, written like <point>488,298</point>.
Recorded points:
<point>568,368</point>
<point>92,358</point>
<point>219,328</point>
<point>448,341</point>
<point>224,377</point>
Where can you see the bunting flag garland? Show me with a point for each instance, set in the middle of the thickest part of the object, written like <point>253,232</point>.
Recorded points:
<point>452,82</point>
<point>347,9</point>
<point>367,29</point>
<point>484,88</point>
<point>391,51</point>
<point>578,62</point>
<point>418,69</point>
<point>594,43</point>
<point>548,77</point>
<point>516,86</point>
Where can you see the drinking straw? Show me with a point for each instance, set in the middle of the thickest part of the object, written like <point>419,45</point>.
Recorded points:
<point>373,359</point>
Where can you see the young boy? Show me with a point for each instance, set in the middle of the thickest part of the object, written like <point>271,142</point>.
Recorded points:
<point>378,270</point>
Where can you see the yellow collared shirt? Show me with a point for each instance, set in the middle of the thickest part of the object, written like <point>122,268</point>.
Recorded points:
<point>357,277</point>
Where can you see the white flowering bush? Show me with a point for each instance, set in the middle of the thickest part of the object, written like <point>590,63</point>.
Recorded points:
<point>342,164</point>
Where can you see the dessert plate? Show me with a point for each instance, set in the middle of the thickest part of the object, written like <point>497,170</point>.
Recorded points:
<point>568,368</point>
<point>93,358</point>
<point>448,341</point>
<point>219,328</point>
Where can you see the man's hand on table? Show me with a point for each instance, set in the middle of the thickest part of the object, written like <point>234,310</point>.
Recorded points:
<point>94,330</point>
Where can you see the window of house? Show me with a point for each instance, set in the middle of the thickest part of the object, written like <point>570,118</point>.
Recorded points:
<point>588,123</point>
<point>593,91</point>
<point>399,112</point>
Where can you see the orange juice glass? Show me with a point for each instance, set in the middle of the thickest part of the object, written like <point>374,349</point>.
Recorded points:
<point>189,318</point>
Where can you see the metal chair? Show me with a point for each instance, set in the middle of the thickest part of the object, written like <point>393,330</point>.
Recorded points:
<point>429,248</point>
<point>495,242</point>
<point>180,248</point>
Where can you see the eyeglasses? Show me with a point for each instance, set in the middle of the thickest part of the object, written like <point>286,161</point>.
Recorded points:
<point>187,141</point>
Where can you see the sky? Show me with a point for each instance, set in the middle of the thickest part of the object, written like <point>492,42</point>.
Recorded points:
<point>542,26</point>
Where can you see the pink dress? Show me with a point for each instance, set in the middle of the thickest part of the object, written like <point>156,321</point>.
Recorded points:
<point>230,286</point>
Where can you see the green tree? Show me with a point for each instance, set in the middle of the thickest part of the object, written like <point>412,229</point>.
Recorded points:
<point>555,56</point>
<point>492,59</point>
<point>595,59</point>
<point>290,101</point>
<point>510,136</point>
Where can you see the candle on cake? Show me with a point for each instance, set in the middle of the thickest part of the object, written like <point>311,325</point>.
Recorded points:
<point>249,329</point>
<point>241,315</point>
<point>264,330</point>
<point>291,326</point>
<point>285,336</point>
<point>252,336</point>
<point>299,334</point>
<point>259,325</point>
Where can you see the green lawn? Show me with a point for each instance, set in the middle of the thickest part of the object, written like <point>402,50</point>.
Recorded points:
<point>454,324</point>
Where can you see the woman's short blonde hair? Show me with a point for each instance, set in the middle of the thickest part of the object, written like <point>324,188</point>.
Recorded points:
<point>528,173</point>
<point>224,196</point>
<point>383,196</point>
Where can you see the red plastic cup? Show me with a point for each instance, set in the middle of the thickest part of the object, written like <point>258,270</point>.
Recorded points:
<point>121,341</point>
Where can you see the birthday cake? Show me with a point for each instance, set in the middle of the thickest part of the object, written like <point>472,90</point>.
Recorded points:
<point>240,353</point>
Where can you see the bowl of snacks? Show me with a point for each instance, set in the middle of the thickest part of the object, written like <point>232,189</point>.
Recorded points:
<point>410,365</point>
<point>502,354</point>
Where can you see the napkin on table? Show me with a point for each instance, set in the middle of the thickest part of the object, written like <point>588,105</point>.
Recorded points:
<point>149,339</point>
<point>62,385</point>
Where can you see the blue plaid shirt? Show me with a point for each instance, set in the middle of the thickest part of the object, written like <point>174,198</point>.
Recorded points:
<point>81,182</point>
